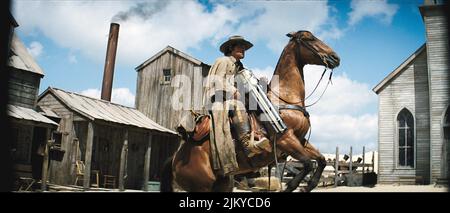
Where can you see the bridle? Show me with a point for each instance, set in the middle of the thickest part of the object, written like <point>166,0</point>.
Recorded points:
<point>301,42</point>
<point>313,50</point>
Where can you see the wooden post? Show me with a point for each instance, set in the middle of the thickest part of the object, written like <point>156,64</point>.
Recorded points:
<point>373,161</point>
<point>269,168</point>
<point>45,161</point>
<point>350,167</point>
<point>147,162</point>
<point>88,156</point>
<point>364,163</point>
<point>336,166</point>
<point>123,161</point>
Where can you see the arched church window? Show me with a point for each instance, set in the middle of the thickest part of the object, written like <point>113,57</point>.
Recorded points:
<point>405,124</point>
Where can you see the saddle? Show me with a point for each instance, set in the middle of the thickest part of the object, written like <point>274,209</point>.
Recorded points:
<point>201,130</point>
<point>202,127</point>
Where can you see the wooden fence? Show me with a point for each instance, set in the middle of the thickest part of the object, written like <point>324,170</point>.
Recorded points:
<point>342,171</point>
<point>342,168</point>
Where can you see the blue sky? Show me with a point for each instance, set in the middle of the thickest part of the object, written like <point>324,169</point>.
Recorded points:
<point>372,37</point>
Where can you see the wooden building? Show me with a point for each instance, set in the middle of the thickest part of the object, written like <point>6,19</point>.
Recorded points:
<point>111,140</point>
<point>30,129</point>
<point>25,75</point>
<point>169,84</point>
<point>414,117</point>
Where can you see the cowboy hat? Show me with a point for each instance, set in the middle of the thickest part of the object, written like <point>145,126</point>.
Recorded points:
<point>235,40</point>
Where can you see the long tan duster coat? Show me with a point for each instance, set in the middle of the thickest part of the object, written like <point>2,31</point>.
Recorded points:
<point>221,78</point>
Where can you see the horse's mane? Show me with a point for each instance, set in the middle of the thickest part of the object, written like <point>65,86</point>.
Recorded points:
<point>279,60</point>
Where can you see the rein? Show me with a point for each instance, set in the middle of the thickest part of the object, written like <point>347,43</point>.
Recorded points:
<point>326,87</point>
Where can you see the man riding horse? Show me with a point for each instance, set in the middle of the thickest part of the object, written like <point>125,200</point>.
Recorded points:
<point>195,166</point>
<point>230,116</point>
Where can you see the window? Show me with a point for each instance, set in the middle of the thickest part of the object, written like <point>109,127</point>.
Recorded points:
<point>57,137</point>
<point>405,125</point>
<point>167,76</point>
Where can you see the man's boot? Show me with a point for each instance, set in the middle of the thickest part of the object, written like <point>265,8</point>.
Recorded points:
<point>255,147</point>
<point>243,133</point>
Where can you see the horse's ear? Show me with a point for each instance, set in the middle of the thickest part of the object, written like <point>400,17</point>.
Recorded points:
<point>291,34</point>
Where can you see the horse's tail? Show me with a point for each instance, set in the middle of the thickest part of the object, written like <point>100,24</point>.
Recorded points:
<point>167,176</point>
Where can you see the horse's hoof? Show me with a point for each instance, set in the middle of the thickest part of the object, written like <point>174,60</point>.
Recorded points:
<point>304,189</point>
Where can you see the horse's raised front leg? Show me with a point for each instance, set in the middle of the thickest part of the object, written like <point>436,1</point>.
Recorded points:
<point>321,164</point>
<point>293,184</point>
<point>289,144</point>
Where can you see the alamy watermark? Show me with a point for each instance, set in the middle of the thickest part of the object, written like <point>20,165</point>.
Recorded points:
<point>200,94</point>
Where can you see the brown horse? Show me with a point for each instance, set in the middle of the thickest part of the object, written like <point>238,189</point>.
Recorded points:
<point>190,167</point>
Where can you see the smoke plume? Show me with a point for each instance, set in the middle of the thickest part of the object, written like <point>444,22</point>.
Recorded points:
<point>143,10</point>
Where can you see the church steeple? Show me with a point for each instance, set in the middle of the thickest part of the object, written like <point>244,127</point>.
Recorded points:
<point>436,28</point>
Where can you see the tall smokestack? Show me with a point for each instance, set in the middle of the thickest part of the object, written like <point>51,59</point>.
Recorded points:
<point>108,73</point>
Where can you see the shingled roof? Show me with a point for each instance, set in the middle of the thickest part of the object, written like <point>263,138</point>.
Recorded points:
<point>97,109</point>
<point>21,59</point>
<point>172,50</point>
<point>22,113</point>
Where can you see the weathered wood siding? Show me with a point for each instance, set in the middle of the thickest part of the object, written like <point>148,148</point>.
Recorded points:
<point>51,102</point>
<point>446,133</point>
<point>63,172</point>
<point>23,88</point>
<point>408,90</point>
<point>27,139</point>
<point>422,119</point>
<point>162,148</point>
<point>154,99</point>
<point>137,146</point>
<point>439,80</point>
<point>22,136</point>
<point>106,148</point>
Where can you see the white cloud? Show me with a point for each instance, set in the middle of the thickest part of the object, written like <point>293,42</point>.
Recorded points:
<point>274,19</point>
<point>121,96</point>
<point>35,49</point>
<point>343,130</point>
<point>72,24</point>
<point>343,95</point>
<point>380,9</point>
<point>339,117</point>
<point>84,25</point>
<point>93,93</point>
